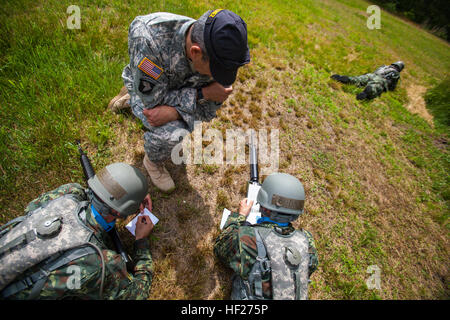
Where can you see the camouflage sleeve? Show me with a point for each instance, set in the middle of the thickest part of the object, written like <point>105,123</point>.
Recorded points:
<point>226,247</point>
<point>124,286</point>
<point>206,111</point>
<point>153,92</point>
<point>313,256</point>
<point>362,80</point>
<point>236,245</point>
<point>393,80</point>
<point>82,278</point>
<point>71,188</point>
<point>184,100</point>
<point>143,270</point>
<point>150,90</point>
<point>376,87</point>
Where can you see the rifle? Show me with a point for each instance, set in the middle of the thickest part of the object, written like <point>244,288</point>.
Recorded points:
<point>89,172</point>
<point>253,185</point>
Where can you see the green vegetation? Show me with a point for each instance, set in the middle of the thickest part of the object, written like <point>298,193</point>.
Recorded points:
<point>376,175</point>
<point>437,99</point>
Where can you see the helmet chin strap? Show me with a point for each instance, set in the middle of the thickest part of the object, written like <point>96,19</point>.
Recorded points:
<point>103,209</point>
<point>275,217</point>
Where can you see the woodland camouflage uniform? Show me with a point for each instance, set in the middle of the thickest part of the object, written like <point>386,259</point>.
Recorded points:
<point>384,78</point>
<point>236,247</point>
<point>118,284</point>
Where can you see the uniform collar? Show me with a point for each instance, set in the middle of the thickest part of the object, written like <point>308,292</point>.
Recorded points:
<point>179,47</point>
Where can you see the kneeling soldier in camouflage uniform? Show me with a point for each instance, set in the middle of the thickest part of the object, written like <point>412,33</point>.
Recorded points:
<point>61,249</point>
<point>381,80</point>
<point>271,259</point>
<point>181,70</point>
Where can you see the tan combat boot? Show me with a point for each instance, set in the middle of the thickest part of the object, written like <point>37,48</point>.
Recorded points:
<point>159,175</point>
<point>120,101</point>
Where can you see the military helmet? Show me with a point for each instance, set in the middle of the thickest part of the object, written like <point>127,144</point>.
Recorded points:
<point>283,194</point>
<point>120,186</point>
<point>399,64</point>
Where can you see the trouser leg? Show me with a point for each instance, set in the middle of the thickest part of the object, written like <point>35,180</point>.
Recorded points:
<point>373,89</point>
<point>362,80</point>
<point>159,142</point>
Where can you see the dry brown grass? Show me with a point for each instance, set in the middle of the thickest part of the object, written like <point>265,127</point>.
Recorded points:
<point>358,211</point>
<point>369,198</point>
<point>417,102</point>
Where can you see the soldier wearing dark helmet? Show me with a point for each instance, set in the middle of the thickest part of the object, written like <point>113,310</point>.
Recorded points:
<point>381,80</point>
<point>271,260</point>
<point>60,247</point>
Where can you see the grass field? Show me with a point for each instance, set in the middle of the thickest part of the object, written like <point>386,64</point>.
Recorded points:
<point>376,173</point>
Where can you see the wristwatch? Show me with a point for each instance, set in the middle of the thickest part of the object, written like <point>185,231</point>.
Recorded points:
<point>200,98</point>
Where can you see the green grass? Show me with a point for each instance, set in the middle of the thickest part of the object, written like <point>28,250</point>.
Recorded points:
<point>376,175</point>
<point>437,99</point>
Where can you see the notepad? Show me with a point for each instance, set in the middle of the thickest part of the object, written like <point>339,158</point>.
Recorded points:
<point>131,226</point>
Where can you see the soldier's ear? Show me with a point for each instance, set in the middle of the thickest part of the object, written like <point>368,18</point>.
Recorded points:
<point>196,52</point>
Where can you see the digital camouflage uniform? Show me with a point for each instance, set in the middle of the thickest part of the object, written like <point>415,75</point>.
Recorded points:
<point>236,247</point>
<point>381,80</point>
<point>118,283</point>
<point>157,41</point>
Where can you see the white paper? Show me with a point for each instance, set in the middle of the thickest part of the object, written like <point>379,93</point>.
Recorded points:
<point>252,217</point>
<point>131,226</point>
<point>226,213</point>
<point>252,193</point>
<point>254,214</point>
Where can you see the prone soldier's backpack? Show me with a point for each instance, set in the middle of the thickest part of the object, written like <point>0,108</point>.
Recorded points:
<point>390,74</point>
<point>52,236</point>
<point>286,257</point>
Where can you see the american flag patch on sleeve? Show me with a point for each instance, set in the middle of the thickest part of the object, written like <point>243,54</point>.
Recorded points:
<point>149,68</point>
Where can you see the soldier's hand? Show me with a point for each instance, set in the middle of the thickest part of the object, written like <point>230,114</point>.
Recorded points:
<point>161,115</point>
<point>216,92</point>
<point>146,203</point>
<point>143,227</point>
<point>343,79</point>
<point>361,96</point>
<point>244,208</point>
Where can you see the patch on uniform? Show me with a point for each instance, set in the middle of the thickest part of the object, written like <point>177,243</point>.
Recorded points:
<point>149,68</point>
<point>145,86</point>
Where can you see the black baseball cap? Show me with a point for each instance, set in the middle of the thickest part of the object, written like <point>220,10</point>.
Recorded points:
<point>225,38</point>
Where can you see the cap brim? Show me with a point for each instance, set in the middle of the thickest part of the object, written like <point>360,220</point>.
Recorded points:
<point>225,77</point>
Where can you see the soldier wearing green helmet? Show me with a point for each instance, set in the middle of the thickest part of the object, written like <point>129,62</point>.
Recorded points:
<point>384,78</point>
<point>271,260</point>
<point>61,248</point>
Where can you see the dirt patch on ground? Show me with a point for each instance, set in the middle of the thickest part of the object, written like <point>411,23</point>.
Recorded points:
<point>417,103</point>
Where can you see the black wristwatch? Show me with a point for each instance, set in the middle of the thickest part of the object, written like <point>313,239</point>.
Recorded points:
<point>200,97</point>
